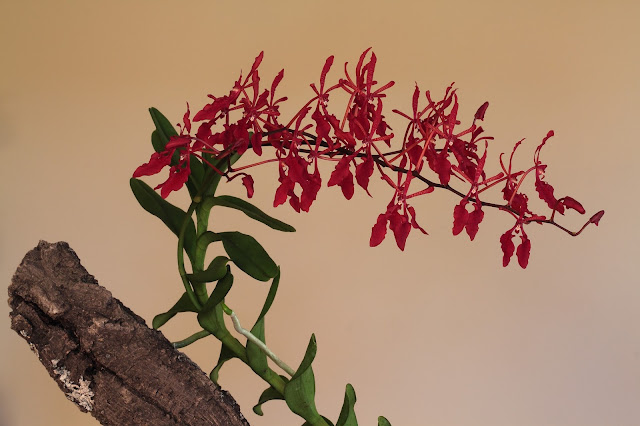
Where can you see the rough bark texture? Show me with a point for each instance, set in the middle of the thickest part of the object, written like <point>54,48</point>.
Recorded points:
<point>103,356</point>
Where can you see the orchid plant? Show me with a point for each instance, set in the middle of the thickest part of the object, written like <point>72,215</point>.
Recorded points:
<point>435,151</point>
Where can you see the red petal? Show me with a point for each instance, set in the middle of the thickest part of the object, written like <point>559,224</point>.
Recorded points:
<point>177,177</point>
<point>570,203</point>
<point>310,190</point>
<point>282,192</point>
<point>275,83</point>
<point>256,63</point>
<point>443,168</point>
<point>506,243</point>
<point>523,251</point>
<point>480,112</point>
<point>545,191</point>
<point>342,177</point>
<point>364,171</point>
<point>322,127</point>
<point>414,223</point>
<point>294,202</point>
<point>400,227</point>
<point>256,142</point>
<point>157,162</point>
<point>186,121</point>
<point>414,103</point>
<point>325,70</point>
<point>347,187</point>
<point>460,216</point>
<point>379,231</point>
<point>595,219</point>
<point>247,181</point>
<point>473,223</point>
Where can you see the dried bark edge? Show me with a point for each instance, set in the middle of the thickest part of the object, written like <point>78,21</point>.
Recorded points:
<point>102,355</point>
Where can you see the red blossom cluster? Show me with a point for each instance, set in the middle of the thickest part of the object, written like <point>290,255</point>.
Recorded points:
<point>433,142</point>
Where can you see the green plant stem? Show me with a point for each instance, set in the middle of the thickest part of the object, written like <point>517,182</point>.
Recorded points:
<point>189,340</point>
<point>202,221</point>
<point>198,292</point>
<point>181,269</point>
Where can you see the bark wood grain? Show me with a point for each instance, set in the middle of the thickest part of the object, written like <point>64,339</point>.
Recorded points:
<point>102,355</point>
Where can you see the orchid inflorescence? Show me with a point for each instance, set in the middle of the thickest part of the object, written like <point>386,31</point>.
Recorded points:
<point>434,149</point>
<point>433,137</point>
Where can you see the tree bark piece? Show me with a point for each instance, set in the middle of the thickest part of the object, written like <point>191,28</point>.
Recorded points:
<point>102,355</point>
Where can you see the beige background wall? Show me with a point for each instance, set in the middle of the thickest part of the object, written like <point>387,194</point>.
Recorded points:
<point>438,335</point>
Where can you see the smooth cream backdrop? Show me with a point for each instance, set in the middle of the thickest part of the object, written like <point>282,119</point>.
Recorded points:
<point>438,335</point>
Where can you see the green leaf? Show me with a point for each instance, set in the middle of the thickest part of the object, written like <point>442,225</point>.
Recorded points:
<point>348,414</point>
<point>225,355</point>
<point>163,127</point>
<point>383,421</point>
<point>271,295</point>
<point>299,393</point>
<point>250,210</point>
<point>256,358</point>
<point>269,394</point>
<point>171,215</point>
<point>216,270</point>
<point>249,255</point>
<point>183,304</point>
<point>196,177</point>
<point>220,291</point>
<point>156,141</point>
<point>211,316</point>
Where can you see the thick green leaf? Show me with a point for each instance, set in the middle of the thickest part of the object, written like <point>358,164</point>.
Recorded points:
<point>216,270</point>
<point>348,414</point>
<point>163,127</point>
<point>383,421</point>
<point>183,304</point>
<point>250,210</point>
<point>249,255</point>
<point>220,291</point>
<point>196,177</point>
<point>225,355</point>
<point>156,141</point>
<point>269,394</point>
<point>256,357</point>
<point>299,393</point>
<point>171,215</point>
<point>309,356</point>
<point>271,295</point>
<point>211,316</point>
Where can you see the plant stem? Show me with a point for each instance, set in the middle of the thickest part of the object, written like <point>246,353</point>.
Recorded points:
<point>181,269</point>
<point>189,340</point>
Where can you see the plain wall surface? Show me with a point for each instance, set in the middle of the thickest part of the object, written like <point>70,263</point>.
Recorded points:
<point>440,334</point>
